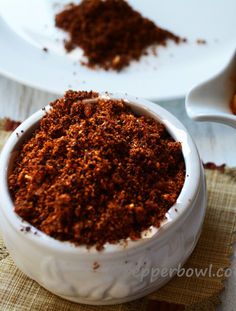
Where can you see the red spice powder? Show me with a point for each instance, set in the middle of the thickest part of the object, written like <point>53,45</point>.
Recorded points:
<point>201,41</point>
<point>110,32</point>
<point>233,104</point>
<point>10,125</point>
<point>96,172</point>
<point>213,166</point>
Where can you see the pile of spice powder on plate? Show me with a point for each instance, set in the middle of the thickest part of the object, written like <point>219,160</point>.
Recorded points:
<point>110,32</point>
<point>95,172</point>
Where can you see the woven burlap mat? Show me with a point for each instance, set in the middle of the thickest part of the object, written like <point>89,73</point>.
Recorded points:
<point>19,293</point>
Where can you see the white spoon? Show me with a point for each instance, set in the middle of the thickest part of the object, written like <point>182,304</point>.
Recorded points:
<point>210,101</point>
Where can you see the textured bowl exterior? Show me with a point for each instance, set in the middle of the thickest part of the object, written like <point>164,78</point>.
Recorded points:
<point>119,278</point>
<point>117,274</point>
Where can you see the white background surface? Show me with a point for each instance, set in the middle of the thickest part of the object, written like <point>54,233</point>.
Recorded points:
<point>216,143</point>
<point>27,26</point>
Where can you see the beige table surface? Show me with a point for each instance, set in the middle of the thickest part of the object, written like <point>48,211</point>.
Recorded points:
<point>216,143</point>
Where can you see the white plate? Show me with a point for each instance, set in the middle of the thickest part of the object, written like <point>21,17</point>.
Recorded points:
<point>27,26</point>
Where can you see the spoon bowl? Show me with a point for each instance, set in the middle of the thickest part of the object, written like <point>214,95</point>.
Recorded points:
<point>210,101</point>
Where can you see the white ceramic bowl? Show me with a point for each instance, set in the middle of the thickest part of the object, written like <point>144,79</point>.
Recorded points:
<point>122,273</point>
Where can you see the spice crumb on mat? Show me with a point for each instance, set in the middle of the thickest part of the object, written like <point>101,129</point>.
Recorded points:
<point>95,172</point>
<point>213,166</point>
<point>10,125</point>
<point>110,32</point>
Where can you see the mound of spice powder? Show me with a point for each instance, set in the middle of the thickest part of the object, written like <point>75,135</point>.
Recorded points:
<point>110,32</point>
<point>95,172</point>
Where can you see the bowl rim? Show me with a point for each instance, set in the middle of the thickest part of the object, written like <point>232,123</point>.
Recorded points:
<point>174,215</point>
